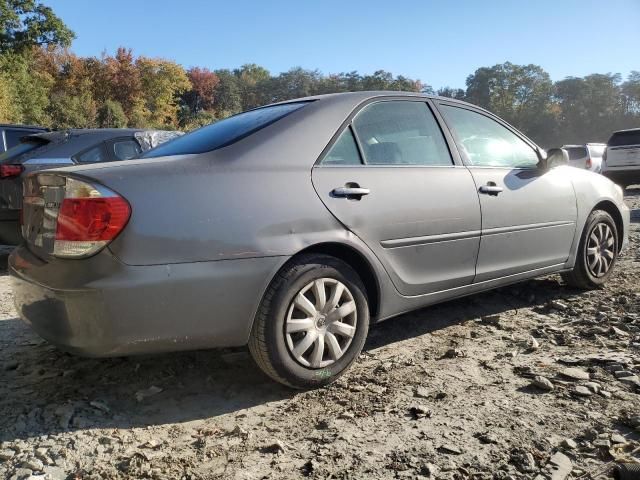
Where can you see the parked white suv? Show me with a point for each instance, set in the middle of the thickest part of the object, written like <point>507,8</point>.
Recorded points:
<point>622,157</point>
<point>587,156</point>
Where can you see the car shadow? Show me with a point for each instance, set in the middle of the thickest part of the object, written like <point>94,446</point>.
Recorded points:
<point>45,391</point>
<point>535,293</point>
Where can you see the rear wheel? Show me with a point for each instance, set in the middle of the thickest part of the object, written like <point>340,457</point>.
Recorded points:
<point>597,252</point>
<point>312,322</point>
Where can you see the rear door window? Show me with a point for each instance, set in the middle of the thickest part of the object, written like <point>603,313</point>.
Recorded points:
<point>95,154</point>
<point>344,151</point>
<point>125,148</point>
<point>401,133</point>
<point>225,132</point>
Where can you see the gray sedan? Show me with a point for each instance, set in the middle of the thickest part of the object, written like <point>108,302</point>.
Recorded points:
<point>292,227</point>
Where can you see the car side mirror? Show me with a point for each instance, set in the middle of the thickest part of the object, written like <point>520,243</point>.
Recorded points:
<point>554,158</point>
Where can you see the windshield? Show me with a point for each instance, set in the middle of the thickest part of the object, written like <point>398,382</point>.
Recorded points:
<point>224,132</point>
<point>20,149</point>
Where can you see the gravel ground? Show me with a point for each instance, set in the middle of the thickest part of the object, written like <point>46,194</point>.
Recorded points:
<point>531,381</point>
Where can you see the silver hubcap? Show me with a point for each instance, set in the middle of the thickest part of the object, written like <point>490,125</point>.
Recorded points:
<point>321,322</point>
<point>600,250</point>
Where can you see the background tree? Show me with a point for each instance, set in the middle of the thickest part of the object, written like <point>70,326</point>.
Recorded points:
<point>457,93</point>
<point>228,99</point>
<point>162,83</point>
<point>202,94</point>
<point>252,85</point>
<point>590,107</point>
<point>521,94</point>
<point>631,94</point>
<point>7,101</point>
<point>28,88</point>
<point>72,111</point>
<point>28,23</point>
<point>111,115</point>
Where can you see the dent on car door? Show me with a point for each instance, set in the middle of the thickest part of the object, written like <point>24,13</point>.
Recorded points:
<point>389,177</point>
<point>528,213</point>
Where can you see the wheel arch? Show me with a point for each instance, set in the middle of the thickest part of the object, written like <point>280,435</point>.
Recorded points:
<point>611,208</point>
<point>358,262</point>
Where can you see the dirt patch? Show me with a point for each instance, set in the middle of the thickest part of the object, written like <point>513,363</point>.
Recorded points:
<point>523,381</point>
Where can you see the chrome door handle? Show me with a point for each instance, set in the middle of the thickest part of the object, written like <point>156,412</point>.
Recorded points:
<point>350,192</point>
<point>490,190</point>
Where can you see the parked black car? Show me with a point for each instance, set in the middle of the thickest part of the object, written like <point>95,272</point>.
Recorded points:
<point>10,135</point>
<point>63,148</point>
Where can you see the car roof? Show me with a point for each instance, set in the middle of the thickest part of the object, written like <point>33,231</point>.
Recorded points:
<point>66,143</point>
<point>24,127</point>
<point>626,130</point>
<point>362,96</point>
<point>95,132</point>
<point>353,99</point>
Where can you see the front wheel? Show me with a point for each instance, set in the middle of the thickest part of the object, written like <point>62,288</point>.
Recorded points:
<point>597,252</point>
<point>312,322</point>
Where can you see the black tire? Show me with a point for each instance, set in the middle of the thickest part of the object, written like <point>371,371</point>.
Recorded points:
<point>582,275</point>
<point>268,341</point>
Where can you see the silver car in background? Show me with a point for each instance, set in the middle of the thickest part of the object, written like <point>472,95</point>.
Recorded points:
<point>587,156</point>
<point>51,149</point>
<point>294,226</point>
<point>622,157</point>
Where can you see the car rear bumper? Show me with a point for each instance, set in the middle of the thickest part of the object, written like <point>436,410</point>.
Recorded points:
<point>101,307</point>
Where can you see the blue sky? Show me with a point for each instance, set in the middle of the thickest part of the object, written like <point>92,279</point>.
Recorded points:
<point>439,42</point>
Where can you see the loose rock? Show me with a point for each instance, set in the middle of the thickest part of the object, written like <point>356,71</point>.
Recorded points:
<point>542,382</point>
<point>575,374</point>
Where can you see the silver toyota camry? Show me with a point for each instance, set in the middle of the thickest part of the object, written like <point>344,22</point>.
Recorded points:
<point>292,227</point>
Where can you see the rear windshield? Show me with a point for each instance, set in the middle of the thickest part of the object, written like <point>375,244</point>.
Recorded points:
<point>13,153</point>
<point>576,153</point>
<point>224,132</point>
<point>618,139</point>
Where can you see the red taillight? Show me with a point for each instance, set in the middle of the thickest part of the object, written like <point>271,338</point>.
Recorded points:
<point>91,219</point>
<point>588,163</point>
<point>8,171</point>
<point>68,217</point>
<point>87,219</point>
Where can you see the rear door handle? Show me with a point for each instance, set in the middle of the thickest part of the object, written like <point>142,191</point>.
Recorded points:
<point>354,193</point>
<point>490,189</point>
